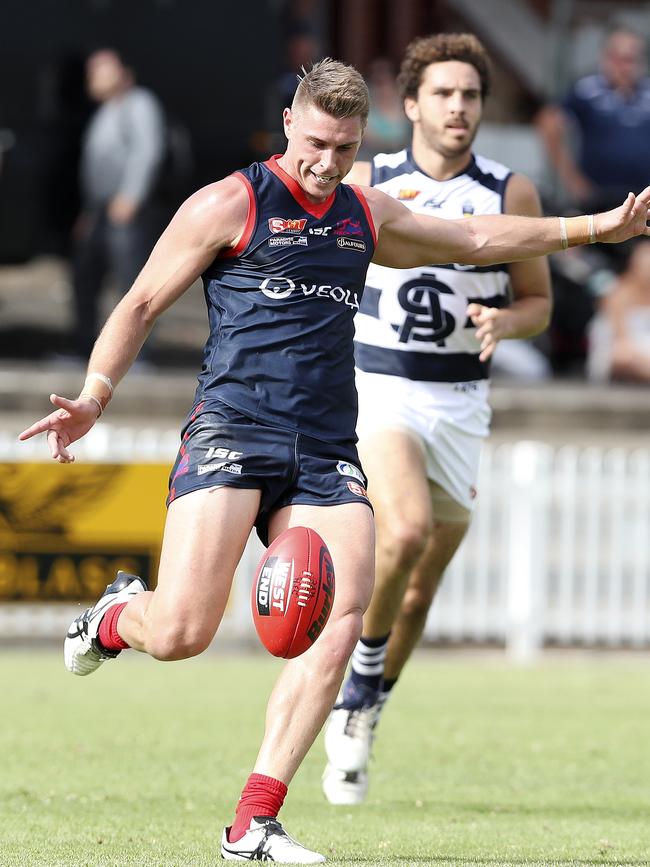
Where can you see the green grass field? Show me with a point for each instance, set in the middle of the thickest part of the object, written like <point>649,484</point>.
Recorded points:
<point>476,763</point>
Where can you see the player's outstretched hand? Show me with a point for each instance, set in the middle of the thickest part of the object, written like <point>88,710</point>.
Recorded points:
<point>490,327</point>
<point>70,422</point>
<point>626,221</point>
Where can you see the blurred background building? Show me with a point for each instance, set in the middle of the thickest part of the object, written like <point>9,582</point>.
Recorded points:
<point>222,73</point>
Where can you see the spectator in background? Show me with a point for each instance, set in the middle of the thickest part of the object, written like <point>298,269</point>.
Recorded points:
<point>388,128</point>
<point>122,152</point>
<point>611,113</point>
<point>301,50</point>
<point>620,332</point>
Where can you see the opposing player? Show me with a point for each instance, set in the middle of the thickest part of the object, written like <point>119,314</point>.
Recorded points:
<point>424,340</point>
<point>283,248</point>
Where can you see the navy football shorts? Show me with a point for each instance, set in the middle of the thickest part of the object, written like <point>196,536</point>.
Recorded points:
<point>222,447</point>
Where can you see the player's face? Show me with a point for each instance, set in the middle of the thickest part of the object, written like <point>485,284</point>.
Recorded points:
<point>448,108</point>
<point>320,150</point>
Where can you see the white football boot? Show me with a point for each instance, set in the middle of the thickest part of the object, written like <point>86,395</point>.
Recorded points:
<point>266,840</point>
<point>81,651</point>
<point>349,734</point>
<point>344,788</point>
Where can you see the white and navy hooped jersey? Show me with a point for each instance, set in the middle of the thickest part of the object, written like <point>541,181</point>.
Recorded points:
<point>281,308</point>
<point>412,322</point>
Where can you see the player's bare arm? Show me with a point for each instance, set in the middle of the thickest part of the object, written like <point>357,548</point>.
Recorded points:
<point>209,221</point>
<point>406,240</point>
<point>530,310</point>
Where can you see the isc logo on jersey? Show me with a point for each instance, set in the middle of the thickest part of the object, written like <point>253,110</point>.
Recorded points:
<point>279,224</point>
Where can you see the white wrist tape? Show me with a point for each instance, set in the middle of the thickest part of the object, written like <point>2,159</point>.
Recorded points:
<point>96,399</point>
<point>564,237</point>
<point>105,379</point>
<point>591,228</point>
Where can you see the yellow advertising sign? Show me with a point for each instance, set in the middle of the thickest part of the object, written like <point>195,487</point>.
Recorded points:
<point>65,530</point>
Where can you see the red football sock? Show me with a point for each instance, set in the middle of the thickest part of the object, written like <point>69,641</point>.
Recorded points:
<point>108,636</point>
<point>262,796</point>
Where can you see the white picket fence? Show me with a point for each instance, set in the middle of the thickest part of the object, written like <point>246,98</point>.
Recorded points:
<point>557,554</point>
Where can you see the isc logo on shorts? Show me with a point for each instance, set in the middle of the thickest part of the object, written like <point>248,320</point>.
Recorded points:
<point>220,459</point>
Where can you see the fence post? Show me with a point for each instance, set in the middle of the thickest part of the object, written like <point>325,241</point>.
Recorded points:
<point>530,476</point>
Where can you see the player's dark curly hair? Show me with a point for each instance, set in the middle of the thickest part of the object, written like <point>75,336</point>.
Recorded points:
<point>425,50</point>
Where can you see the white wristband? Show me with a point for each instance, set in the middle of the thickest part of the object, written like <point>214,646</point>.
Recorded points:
<point>105,379</point>
<point>591,224</point>
<point>96,399</point>
<point>564,237</point>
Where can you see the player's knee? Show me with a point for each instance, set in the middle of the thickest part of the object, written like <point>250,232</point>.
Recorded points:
<point>177,641</point>
<point>417,601</point>
<point>340,639</point>
<point>403,541</point>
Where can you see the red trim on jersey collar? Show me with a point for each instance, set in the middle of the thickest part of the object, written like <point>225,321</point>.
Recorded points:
<point>251,219</point>
<point>366,207</point>
<point>297,191</point>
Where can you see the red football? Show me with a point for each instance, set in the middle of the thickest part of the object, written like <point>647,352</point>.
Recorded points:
<point>293,592</point>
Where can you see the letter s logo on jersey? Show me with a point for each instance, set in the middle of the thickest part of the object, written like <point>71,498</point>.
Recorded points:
<point>279,224</point>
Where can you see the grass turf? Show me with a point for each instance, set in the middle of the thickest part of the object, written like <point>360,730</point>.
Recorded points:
<point>476,763</point>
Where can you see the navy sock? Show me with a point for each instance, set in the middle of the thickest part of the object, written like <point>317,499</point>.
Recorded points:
<point>367,673</point>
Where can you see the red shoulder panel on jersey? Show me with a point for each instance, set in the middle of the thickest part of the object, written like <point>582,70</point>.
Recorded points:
<point>251,218</point>
<point>366,208</point>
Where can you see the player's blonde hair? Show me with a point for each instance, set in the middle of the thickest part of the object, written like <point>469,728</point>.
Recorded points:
<point>441,47</point>
<point>335,88</point>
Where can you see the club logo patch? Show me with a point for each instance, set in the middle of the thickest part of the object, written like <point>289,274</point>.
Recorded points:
<point>348,226</point>
<point>358,490</point>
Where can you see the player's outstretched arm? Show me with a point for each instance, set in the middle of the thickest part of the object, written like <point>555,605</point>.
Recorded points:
<point>211,220</point>
<point>530,310</point>
<point>407,240</point>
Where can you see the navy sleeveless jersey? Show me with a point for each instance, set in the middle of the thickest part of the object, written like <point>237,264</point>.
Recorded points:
<point>281,307</point>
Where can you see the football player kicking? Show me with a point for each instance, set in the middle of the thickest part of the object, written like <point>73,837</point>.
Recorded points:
<point>424,340</point>
<point>283,248</point>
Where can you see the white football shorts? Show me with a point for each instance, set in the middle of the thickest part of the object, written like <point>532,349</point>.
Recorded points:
<point>450,420</point>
